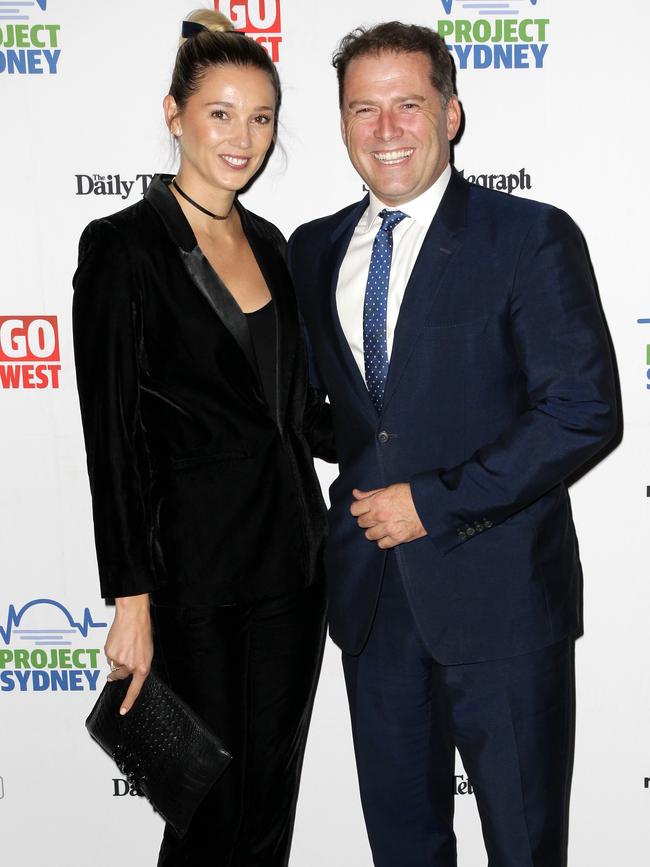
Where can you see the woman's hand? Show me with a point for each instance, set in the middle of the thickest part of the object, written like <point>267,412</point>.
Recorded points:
<point>129,646</point>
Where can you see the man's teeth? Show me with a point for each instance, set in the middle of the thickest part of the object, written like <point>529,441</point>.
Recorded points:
<point>236,161</point>
<point>393,156</point>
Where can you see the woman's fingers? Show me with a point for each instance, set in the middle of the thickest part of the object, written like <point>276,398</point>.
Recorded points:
<point>133,692</point>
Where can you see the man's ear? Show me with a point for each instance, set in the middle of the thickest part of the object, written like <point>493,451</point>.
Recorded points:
<point>454,115</point>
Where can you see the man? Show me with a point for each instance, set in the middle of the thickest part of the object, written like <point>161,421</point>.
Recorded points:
<point>457,333</point>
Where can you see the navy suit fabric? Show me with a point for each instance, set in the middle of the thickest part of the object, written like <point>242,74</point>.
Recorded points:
<point>500,386</point>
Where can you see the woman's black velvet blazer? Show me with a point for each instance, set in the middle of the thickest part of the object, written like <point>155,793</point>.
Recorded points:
<point>202,494</point>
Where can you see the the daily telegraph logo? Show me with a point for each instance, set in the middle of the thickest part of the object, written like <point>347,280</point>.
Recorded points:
<point>29,352</point>
<point>28,45</point>
<point>111,185</point>
<point>122,787</point>
<point>503,35</point>
<point>647,353</point>
<point>260,19</point>
<point>44,649</point>
<point>507,183</point>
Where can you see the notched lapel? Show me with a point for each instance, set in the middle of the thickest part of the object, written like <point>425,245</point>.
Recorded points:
<point>271,262</point>
<point>329,269</point>
<point>441,244</point>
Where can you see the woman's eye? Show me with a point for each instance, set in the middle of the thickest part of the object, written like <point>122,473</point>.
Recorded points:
<point>219,114</point>
<point>262,119</point>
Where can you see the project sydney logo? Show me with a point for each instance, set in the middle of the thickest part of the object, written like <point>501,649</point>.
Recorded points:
<point>495,35</point>
<point>30,48</point>
<point>43,648</point>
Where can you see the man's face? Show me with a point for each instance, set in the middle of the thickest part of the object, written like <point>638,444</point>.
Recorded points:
<point>394,126</point>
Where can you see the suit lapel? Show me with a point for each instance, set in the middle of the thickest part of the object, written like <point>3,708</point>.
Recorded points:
<point>270,259</point>
<point>331,265</point>
<point>441,244</point>
<point>202,274</point>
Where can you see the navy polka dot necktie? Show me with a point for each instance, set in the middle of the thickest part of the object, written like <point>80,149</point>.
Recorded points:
<point>375,347</point>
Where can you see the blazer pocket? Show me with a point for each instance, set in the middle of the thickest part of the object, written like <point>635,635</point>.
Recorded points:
<point>235,454</point>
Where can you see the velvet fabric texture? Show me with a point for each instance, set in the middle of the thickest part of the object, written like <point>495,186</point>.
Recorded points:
<point>249,671</point>
<point>202,493</point>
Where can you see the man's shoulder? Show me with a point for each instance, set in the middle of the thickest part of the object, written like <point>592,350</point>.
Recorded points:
<point>513,209</point>
<point>319,231</point>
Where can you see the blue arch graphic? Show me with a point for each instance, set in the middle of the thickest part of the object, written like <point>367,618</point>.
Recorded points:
<point>14,618</point>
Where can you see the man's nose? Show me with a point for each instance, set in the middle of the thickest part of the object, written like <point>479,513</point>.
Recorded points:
<point>387,127</point>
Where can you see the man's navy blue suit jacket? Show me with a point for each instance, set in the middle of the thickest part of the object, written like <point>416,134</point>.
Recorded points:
<point>500,386</point>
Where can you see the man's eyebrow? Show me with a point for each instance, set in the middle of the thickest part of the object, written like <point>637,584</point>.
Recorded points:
<point>407,98</point>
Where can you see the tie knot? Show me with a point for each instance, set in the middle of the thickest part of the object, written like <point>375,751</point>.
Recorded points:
<point>389,219</point>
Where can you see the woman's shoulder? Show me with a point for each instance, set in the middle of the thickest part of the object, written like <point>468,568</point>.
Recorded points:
<point>263,228</point>
<point>128,228</point>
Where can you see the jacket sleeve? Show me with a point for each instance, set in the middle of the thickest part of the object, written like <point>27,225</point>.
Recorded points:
<point>564,359</point>
<point>318,424</point>
<point>105,330</point>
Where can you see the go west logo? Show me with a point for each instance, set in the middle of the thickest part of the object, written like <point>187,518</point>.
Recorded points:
<point>259,18</point>
<point>29,352</point>
<point>498,36</point>
<point>41,649</point>
<point>111,185</point>
<point>30,48</point>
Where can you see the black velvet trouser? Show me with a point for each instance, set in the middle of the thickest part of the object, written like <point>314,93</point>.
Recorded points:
<point>249,671</point>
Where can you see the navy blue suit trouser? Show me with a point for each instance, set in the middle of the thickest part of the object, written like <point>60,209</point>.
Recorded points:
<point>512,721</point>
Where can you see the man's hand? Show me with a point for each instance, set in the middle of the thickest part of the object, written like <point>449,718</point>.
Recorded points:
<point>387,515</point>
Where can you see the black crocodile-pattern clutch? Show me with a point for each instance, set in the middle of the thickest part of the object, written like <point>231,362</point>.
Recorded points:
<point>162,747</point>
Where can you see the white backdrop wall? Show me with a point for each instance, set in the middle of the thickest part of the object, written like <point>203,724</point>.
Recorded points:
<point>558,103</point>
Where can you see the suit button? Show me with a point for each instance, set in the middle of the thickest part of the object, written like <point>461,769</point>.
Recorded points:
<point>470,531</point>
<point>383,437</point>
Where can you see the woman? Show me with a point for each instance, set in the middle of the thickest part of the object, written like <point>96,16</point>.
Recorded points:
<point>200,428</point>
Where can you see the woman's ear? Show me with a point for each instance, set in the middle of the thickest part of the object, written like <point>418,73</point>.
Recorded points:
<point>172,116</point>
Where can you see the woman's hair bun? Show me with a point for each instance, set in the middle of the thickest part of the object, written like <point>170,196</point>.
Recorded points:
<point>211,20</point>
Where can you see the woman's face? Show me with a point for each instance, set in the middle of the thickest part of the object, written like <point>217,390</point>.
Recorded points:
<point>226,126</point>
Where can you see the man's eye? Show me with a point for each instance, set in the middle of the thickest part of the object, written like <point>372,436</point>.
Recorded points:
<point>410,105</point>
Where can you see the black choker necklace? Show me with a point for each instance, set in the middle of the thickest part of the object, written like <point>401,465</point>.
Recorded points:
<point>200,207</point>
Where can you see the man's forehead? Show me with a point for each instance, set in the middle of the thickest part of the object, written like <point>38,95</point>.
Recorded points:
<point>389,73</point>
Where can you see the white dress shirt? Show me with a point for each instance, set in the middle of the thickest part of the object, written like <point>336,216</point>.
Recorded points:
<point>408,237</point>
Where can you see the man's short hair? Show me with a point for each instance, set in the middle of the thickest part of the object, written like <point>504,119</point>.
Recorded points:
<point>393,36</point>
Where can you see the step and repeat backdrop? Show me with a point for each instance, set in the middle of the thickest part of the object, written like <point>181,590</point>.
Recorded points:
<point>555,99</point>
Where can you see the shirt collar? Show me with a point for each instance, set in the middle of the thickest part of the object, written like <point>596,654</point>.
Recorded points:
<point>422,208</point>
